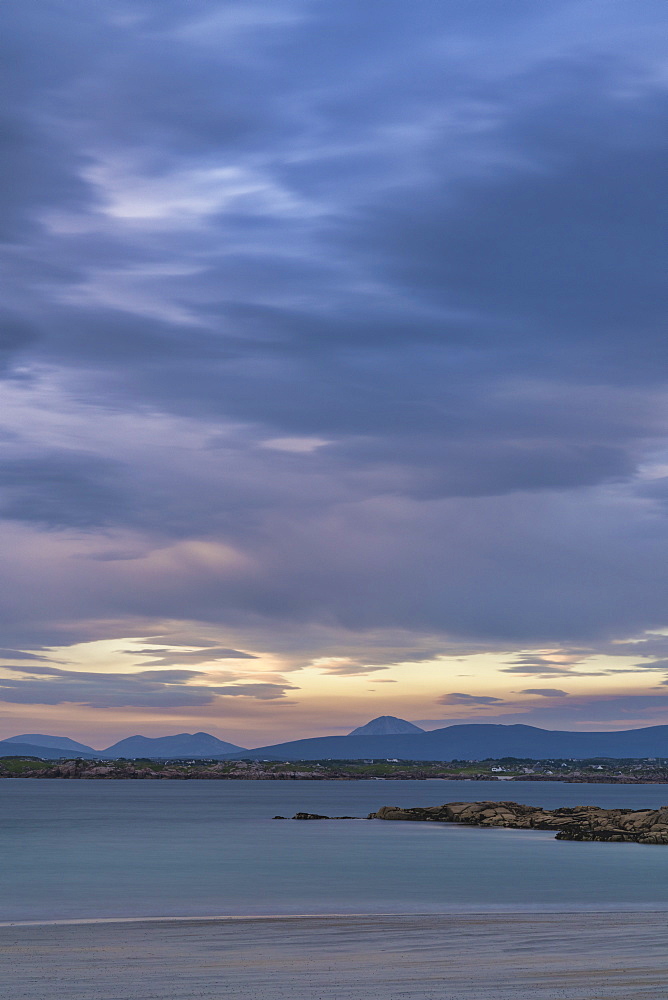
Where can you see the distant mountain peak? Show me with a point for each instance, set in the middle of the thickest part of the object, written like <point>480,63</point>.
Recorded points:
<point>386,725</point>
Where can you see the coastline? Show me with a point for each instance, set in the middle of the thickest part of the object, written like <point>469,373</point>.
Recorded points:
<point>477,910</point>
<point>272,778</point>
<point>505,956</point>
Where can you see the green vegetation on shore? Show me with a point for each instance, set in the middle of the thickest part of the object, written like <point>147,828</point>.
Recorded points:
<point>625,771</point>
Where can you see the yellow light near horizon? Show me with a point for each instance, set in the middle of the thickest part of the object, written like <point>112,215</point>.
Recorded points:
<point>326,701</point>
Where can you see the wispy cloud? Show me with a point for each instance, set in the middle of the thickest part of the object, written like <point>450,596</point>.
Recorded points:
<point>169,657</point>
<point>456,698</point>
<point>545,692</point>
<point>150,688</point>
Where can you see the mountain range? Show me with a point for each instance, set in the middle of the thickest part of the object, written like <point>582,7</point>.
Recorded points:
<point>385,737</point>
<point>183,745</point>
<point>473,742</point>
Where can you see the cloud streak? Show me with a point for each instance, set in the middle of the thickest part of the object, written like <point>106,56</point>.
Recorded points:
<point>147,688</point>
<point>457,698</point>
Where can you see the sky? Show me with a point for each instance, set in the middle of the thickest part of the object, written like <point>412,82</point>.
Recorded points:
<point>333,366</point>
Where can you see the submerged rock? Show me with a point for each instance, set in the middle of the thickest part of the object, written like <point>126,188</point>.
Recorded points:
<point>317,816</point>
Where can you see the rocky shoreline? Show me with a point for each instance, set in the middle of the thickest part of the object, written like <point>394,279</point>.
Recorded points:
<point>638,826</point>
<point>87,770</point>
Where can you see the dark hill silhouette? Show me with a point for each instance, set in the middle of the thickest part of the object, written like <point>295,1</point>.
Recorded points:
<point>472,742</point>
<point>11,749</point>
<point>55,742</point>
<point>463,742</point>
<point>182,745</point>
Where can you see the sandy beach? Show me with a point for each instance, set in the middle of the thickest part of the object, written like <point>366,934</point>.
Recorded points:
<point>593,956</point>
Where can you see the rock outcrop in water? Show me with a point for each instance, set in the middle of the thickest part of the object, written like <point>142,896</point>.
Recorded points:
<point>640,826</point>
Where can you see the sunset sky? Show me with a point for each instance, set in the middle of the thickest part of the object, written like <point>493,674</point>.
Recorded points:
<point>333,365</point>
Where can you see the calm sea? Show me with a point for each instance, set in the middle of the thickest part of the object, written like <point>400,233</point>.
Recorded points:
<point>79,849</point>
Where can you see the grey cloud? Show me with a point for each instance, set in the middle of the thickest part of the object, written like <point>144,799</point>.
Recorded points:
<point>61,490</point>
<point>37,170</point>
<point>20,654</point>
<point>168,676</point>
<point>545,692</point>
<point>166,657</point>
<point>35,670</point>
<point>115,694</point>
<point>381,661</point>
<point>528,664</point>
<point>395,656</point>
<point>478,469</point>
<point>158,689</point>
<point>545,671</point>
<point>543,666</point>
<point>457,698</point>
<point>178,639</point>
<point>16,336</point>
<point>651,645</point>
<point>578,214</point>
<point>350,669</point>
<point>623,712</point>
<point>261,691</point>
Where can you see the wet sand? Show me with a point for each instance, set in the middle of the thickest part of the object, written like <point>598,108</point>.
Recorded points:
<point>586,956</point>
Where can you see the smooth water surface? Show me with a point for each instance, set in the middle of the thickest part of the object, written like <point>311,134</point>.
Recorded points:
<point>80,849</point>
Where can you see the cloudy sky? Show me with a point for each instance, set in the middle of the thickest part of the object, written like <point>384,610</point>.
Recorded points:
<point>333,365</point>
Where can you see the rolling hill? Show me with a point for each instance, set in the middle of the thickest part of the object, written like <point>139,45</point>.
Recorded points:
<point>8,748</point>
<point>53,742</point>
<point>182,745</point>
<point>460,742</point>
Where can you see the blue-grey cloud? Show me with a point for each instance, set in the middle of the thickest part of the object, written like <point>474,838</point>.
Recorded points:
<point>350,669</point>
<point>169,657</point>
<point>651,665</point>
<point>545,692</point>
<point>612,712</point>
<point>20,654</point>
<point>148,688</point>
<point>61,490</point>
<point>456,698</point>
